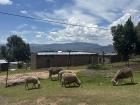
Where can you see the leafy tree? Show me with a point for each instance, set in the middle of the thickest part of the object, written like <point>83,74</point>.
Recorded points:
<point>19,50</point>
<point>118,37</point>
<point>138,38</point>
<point>3,52</point>
<point>124,39</point>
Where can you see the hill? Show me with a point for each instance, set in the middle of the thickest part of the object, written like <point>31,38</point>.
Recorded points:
<point>88,47</point>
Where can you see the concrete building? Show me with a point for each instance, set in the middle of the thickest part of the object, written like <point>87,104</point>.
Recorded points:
<point>59,59</point>
<point>3,65</point>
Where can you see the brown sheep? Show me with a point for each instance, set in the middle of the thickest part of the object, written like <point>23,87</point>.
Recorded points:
<point>121,74</point>
<point>32,80</point>
<point>69,78</point>
<point>54,71</point>
<point>62,72</point>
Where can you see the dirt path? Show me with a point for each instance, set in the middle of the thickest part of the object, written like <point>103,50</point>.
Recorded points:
<point>20,77</point>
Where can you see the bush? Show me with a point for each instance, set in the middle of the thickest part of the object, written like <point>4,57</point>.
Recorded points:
<point>20,65</point>
<point>98,67</point>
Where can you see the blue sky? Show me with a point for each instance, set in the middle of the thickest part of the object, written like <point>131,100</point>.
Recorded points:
<point>91,13</point>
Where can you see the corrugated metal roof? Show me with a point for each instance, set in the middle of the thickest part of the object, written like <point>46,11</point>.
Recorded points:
<point>65,53</point>
<point>109,54</point>
<point>2,61</point>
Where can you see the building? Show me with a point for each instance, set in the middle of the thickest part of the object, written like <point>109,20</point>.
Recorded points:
<point>59,59</point>
<point>109,58</point>
<point>3,65</point>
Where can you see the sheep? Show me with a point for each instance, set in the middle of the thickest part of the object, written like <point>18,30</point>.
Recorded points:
<point>32,80</point>
<point>54,71</point>
<point>62,72</point>
<point>121,74</point>
<point>69,78</point>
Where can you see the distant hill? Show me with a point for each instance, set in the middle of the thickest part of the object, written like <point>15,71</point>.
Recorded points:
<point>87,47</point>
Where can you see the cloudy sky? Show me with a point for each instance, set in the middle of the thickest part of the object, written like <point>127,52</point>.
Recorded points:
<point>91,13</point>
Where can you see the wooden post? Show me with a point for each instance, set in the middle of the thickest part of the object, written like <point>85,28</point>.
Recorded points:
<point>103,57</point>
<point>69,59</point>
<point>7,73</point>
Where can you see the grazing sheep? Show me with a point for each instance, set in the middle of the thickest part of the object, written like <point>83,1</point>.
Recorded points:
<point>62,72</point>
<point>69,78</point>
<point>32,80</point>
<point>54,71</point>
<point>121,74</point>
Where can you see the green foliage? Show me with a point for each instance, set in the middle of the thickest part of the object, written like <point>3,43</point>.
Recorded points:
<point>19,50</point>
<point>124,37</point>
<point>138,38</point>
<point>3,52</point>
<point>98,67</point>
<point>20,65</point>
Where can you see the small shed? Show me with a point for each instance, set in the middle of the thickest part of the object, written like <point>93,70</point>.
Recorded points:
<point>3,65</point>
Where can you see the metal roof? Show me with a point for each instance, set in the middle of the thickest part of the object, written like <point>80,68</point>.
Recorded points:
<point>109,54</point>
<point>2,61</point>
<point>65,53</point>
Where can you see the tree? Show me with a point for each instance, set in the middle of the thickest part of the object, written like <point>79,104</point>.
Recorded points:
<point>3,52</point>
<point>130,35</point>
<point>19,50</point>
<point>118,38</point>
<point>138,38</point>
<point>124,38</point>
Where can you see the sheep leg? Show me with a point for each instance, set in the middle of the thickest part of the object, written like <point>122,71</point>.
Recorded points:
<point>62,83</point>
<point>25,86</point>
<point>132,79</point>
<point>50,75</point>
<point>33,86</point>
<point>58,77</point>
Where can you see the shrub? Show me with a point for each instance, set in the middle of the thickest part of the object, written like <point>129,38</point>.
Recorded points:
<point>98,67</point>
<point>20,65</point>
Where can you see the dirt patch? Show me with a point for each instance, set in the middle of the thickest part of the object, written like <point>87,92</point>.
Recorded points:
<point>41,101</point>
<point>82,103</point>
<point>15,79</point>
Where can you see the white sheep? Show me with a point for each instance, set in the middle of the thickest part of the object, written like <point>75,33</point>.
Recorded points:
<point>62,72</point>
<point>54,71</point>
<point>70,78</point>
<point>32,80</point>
<point>121,74</point>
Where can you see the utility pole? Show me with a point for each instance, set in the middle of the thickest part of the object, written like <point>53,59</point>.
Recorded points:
<point>7,73</point>
<point>69,58</point>
<point>103,54</point>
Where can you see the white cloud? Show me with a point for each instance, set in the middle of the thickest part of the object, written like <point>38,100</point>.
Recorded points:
<point>5,2</point>
<point>80,34</point>
<point>49,0</point>
<point>89,13</point>
<point>22,26</point>
<point>126,14</point>
<point>40,34</point>
<point>23,11</point>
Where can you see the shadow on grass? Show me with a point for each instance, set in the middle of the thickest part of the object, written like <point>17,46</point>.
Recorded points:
<point>72,86</point>
<point>33,88</point>
<point>54,79</point>
<point>127,84</point>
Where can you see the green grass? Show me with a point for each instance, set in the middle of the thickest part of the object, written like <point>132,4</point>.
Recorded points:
<point>98,67</point>
<point>96,89</point>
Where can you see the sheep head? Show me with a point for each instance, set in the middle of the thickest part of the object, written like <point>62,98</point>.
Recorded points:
<point>114,82</point>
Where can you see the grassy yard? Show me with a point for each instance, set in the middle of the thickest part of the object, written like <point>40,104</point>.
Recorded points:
<point>96,89</point>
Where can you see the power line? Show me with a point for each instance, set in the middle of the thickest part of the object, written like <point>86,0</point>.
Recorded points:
<point>49,20</point>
